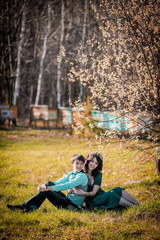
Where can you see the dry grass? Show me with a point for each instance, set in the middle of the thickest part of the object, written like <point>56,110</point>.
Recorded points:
<point>30,157</point>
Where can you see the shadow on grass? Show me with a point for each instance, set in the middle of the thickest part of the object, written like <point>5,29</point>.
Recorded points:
<point>118,209</point>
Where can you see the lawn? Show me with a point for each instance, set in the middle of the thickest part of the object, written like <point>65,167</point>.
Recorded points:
<point>31,157</point>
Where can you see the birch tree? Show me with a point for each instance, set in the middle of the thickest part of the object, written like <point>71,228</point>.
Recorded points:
<point>133,57</point>
<point>60,56</point>
<point>124,75</point>
<point>20,45</point>
<point>44,50</point>
<point>83,44</point>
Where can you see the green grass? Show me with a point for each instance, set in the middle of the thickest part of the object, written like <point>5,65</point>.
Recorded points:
<point>28,158</point>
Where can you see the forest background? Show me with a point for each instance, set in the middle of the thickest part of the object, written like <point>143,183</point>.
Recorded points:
<point>54,52</point>
<point>57,53</point>
<point>35,35</point>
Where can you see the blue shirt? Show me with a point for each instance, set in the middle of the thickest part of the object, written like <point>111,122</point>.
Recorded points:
<point>70,181</point>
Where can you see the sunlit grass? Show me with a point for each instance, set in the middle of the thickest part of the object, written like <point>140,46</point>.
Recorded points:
<point>28,158</point>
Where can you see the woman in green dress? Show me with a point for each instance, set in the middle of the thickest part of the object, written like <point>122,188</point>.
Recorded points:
<point>95,196</point>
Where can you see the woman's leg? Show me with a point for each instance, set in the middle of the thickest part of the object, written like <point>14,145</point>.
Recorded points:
<point>125,203</point>
<point>129,198</point>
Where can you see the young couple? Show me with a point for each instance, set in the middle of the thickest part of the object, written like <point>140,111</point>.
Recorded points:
<point>81,186</point>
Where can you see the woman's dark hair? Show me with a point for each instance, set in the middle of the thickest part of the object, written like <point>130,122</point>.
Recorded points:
<point>98,169</point>
<point>77,157</point>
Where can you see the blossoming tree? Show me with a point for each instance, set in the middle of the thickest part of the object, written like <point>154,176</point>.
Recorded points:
<point>123,74</point>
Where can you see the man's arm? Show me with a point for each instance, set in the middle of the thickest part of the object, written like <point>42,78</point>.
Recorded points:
<point>43,188</point>
<point>63,179</point>
<point>80,178</point>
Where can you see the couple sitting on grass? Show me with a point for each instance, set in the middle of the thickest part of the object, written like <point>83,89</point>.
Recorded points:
<point>81,185</point>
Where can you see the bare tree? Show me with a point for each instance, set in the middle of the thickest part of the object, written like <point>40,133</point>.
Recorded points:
<point>61,50</point>
<point>83,44</point>
<point>47,32</point>
<point>27,69</point>
<point>17,83</point>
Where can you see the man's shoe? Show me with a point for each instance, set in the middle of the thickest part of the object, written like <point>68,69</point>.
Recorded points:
<point>15,207</point>
<point>30,208</point>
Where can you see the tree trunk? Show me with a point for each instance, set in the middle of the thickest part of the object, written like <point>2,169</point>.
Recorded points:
<point>17,83</point>
<point>60,57</point>
<point>43,55</point>
<point>158,160</point>
<point>83,44</point>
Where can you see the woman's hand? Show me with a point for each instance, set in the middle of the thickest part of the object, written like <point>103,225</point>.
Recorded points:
<point>79,191</point>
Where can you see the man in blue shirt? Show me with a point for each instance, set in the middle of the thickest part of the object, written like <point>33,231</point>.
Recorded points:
<point>52,190</point>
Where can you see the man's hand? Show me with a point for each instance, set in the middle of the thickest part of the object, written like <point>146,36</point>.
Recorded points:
<point>41,188</point>
<point>69,191</point>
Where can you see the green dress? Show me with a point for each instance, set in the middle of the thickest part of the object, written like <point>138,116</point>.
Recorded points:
<point>102,199</point>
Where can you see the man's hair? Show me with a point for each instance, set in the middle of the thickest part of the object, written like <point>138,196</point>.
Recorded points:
<point>77,157</point>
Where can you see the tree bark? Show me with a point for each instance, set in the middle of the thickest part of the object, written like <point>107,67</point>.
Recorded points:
<point>43,55</point>
<point>158,160</point>
<point>60,57</point>
<point>17,83</point>
<point>83,44</point>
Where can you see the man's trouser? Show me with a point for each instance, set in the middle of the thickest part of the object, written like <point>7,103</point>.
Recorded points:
<point>58,199</point>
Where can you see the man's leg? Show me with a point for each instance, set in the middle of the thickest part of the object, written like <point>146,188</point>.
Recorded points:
<point>31,204</point>
<point>34,202</point>
<point>37,200</point>
<point>58,199</point>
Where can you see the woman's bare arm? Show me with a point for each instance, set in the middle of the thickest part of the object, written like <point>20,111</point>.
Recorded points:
<point>87,194</point>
